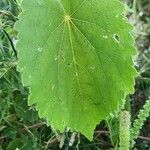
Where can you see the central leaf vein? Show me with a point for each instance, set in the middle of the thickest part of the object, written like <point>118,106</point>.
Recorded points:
<point>58,59</point>
<point>75,63</point>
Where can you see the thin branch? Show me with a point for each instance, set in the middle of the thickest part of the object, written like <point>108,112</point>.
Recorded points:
<point>11,43</point>
<point>144,138</point>
<point>8,13</point>
<point>32,126</point>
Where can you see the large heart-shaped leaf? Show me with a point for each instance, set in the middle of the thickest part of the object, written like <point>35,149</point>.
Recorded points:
<point>76,58</point>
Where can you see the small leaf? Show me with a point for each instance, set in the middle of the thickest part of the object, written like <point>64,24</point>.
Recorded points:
<point>76,58</point>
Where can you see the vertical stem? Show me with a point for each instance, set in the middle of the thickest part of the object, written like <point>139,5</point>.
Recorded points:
<point>124,130</point>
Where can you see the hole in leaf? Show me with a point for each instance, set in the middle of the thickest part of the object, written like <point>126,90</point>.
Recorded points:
<point>116,38</point>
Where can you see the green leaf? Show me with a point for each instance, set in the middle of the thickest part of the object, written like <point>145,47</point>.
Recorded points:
<point>15,144</point>
<point>22,109</point>
<point>76,58</point>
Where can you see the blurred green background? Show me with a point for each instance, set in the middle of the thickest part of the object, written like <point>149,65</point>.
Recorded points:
<point>20,126</point>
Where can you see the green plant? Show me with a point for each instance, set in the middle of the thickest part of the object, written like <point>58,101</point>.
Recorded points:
<point>20,126</point>
<point>124,130</point>
<point>70,58</point>
<point>139,122</point>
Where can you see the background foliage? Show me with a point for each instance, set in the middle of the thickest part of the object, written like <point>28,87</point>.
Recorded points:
<point>20,126</point>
